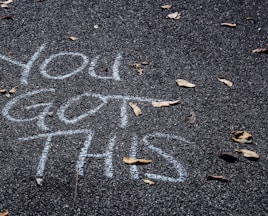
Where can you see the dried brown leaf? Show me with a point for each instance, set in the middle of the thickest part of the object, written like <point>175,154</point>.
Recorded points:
<point>148,181</point>
<point>184,83</point>
<point>4,4</point>
<point>214,177</point>
<point>167,6</point>
<point>175,15</point>
<point>144,63</point>
<point>260,50</point>
<point>50,114</point>
<point>192,118</point>
<point>231,25</point>
<point>132,161</point>
<point>248,154</point>
<point>5,213</point>
<point>13,90</point>
<point>225,81</point>
<point>73,38</point>
<point>241,137</point>
<point>164,103</point>
<point>135,108</point>
<point>3,91</point>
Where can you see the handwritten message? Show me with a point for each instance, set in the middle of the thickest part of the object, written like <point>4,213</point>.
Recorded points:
<point>39,114</point>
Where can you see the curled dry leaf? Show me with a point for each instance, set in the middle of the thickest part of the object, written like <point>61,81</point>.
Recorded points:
<point>225,81</point>
<point>184,83</point>
<point>148,181</point>
<point>219,178</point>
<point>135,108</point>
<point>175,16</point>
<point>167,6</point>
<point>191,118</point>
<point>73,38</point>
<point>228,156</point>
<point>164,103</point>
<point>5,213</point>
<point>13,90</point>
<point>3,91</point>
<point>132,161</point>
<point>231,25</point>
<point>260,50</point>
<point>242,137</point>
<point>248,154</point>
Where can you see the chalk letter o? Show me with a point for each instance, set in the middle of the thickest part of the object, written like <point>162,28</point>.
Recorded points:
<point>43,66</point>
<point>73,100</point>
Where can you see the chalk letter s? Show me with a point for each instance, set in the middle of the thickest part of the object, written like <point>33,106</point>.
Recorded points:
<point>176,165</point>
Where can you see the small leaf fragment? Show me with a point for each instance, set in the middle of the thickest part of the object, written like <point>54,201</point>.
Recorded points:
<point>260,50</point>
<point>131,161</point>
<point>167,6</point>
<point>248,154</point>
<point>3,91</point>
<point>175,16</point>
<point>164,103</point>
<point>13,90</point>
<point>39,181</point>
<point>73,38</point>
<point>184,83</point>
<point>144,63</point>
<point>231,25</point>
<point>242,137</point>
<point>225,81</point>
<point>228,156</point>
<point>50,114</point>
<point>135,108</point>
<point>192,118</point>
<point>7,95</point>
<point>219,178</point>
<point>148,181</point>
<point>5,213</point>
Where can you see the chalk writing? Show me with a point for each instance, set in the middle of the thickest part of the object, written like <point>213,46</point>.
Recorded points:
<point>107,156</point>
<point>43,66</point>
<point>13,109</point>
<point>40,118</point>
<point>26,68</point>
<point>104,99</point>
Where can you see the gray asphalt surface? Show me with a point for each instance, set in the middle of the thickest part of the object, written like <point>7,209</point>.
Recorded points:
<point>195,48</point>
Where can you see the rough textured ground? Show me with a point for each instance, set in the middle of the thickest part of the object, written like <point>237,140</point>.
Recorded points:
<point>195,48</point>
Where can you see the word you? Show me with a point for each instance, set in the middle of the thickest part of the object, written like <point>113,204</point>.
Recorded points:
<point>26,67</point>
<point>107,156</point>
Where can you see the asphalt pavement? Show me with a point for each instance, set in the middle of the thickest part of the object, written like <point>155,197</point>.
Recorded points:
<point>67,78</point>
